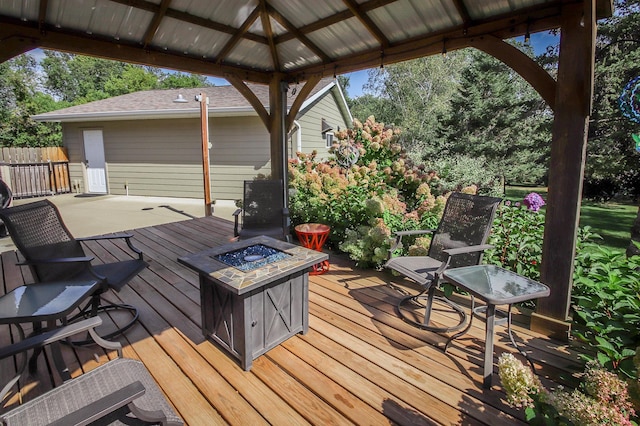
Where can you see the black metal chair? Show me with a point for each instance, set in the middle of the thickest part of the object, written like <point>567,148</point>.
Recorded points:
<point>53,254</point>
<point>261,212</point>
<point>458,241</point>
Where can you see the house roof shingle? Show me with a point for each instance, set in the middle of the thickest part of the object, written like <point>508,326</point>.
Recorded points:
<point>223,100</point>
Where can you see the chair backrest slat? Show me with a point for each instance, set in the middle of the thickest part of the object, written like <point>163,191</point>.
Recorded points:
<point>38,232</point>
<point>466,221</point>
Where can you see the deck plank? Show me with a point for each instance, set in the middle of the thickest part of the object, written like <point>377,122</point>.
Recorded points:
<point>358,364</point>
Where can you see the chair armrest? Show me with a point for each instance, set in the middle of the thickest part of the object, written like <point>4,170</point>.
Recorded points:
<point>236,226</point>
<point>86,259</point>
<point>61,333</point>
<point>414,232</point>
<point>52,336</point>
<point>103,406</point>
<point>116,236</point>
<point>399,234</point>
<point>469,249</point>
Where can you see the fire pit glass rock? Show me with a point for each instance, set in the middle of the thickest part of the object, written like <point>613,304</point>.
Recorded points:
<point>252,257</point>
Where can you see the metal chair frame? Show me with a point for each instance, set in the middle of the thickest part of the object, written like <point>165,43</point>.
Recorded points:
<point>459,240</point>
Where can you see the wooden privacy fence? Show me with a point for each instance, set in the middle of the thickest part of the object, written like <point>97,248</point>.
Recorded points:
<point>34,172</point>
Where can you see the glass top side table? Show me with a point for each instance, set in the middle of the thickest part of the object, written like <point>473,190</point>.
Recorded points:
<point>45,302</point>
<point>495,286</point>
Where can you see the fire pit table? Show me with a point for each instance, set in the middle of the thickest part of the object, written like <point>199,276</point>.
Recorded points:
<point>254,294</point>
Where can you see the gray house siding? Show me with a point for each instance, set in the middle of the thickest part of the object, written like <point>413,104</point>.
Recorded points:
<point>163,157</point>
<point>241,151</point>
<point>326,108</point>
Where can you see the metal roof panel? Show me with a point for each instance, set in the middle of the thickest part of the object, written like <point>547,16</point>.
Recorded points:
<point>232,13</point>
<point>251,54</point>
<point>412,18</point>
<point>344,38</point>
<point>191,39</point>
<point>303,12</point>
<point>294,54</point>
<point>482,9</point>
<point>24,10</point>
<point>103,17</point>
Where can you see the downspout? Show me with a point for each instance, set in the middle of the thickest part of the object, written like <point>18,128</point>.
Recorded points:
<point>298,136</point>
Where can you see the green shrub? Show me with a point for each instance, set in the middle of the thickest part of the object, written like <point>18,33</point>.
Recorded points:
<point>461,171</point>
<point>602,399</point>
<point>606,305</point>
<point>364,204</point>
<point>517,235</point>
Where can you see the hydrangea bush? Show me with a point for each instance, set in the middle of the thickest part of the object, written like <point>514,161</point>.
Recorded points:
<point>533,201</point>
<point>383,192</point>
<point>603,398</point>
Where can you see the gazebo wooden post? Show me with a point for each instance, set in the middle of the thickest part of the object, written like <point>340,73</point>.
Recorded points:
<point>568,152</point>
<point>278,116</point>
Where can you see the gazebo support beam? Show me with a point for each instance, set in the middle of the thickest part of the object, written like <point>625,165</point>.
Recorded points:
<point>517,60</point>
<point>568,152</point>
<point>278,114</point>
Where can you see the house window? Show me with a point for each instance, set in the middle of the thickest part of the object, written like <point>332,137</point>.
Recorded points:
<point>327,132</point>
<point>329,138</point>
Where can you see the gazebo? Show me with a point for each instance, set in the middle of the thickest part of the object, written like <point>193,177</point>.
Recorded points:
<point>284,42</point>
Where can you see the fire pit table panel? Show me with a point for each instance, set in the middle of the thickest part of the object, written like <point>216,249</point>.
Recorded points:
<point>249,311</point>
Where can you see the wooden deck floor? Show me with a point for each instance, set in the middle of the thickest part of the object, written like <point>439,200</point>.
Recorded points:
<point>358,364</point>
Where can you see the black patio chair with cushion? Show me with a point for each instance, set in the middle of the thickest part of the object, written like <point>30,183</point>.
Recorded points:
<point>53,254</point>
<point>261,212</point>
<point>459,240</point>
<point>110,394</point>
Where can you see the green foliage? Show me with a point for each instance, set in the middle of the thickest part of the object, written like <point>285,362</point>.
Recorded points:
<point>381,193</point>
<point>497,115</point>
<point>69,80</point>
<point>412,95</point>
<point>19,101</point>
<point>607,306</point>
<point>182,80</point>
<point>463,170</point>
<point>132,79</point>
<point>517,235</point>
<point>602,398</point>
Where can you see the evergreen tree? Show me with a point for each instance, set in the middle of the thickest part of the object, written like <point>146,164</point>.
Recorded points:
<point>497,115</point>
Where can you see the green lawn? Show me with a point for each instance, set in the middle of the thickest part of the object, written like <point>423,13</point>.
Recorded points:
<point>611,220</point>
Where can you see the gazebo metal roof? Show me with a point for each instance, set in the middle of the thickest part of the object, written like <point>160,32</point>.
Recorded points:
<point>256,38</point>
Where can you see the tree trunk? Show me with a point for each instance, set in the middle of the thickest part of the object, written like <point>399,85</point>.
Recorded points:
<point>635,236</point>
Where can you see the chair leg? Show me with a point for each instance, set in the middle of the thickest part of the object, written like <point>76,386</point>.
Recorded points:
<point>429,297</point>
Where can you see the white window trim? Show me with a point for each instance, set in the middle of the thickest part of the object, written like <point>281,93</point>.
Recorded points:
<point>329,137</point>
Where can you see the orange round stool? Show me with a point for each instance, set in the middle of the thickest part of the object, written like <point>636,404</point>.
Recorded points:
<point>313,236</point>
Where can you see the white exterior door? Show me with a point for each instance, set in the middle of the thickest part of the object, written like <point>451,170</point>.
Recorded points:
<point>94,161</point>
